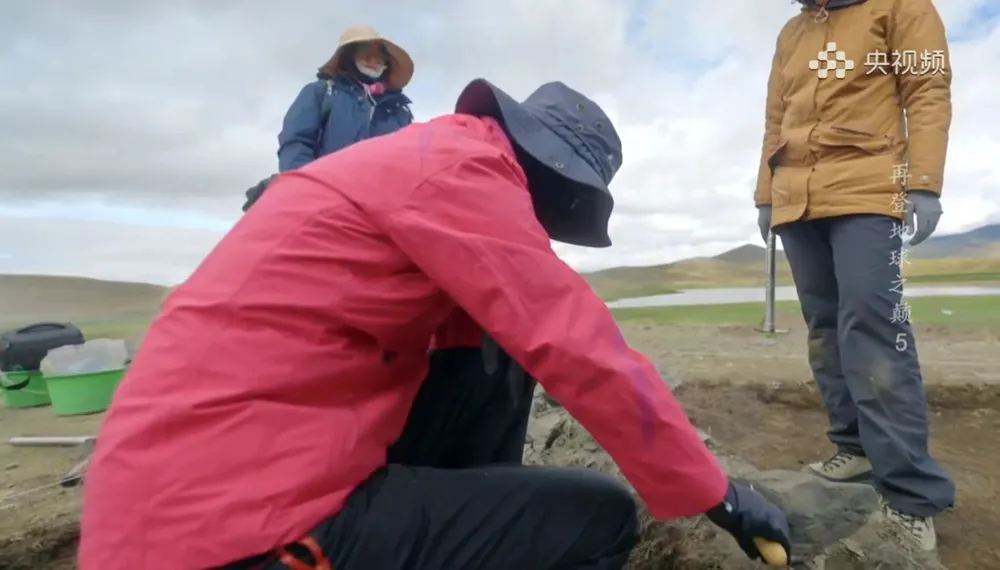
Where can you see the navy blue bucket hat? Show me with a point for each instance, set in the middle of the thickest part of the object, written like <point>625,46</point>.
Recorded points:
<point>569,150</point>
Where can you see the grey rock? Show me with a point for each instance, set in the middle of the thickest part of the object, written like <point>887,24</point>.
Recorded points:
<point>705,436</point>
<point>834,526</point>
<point>820,513</point>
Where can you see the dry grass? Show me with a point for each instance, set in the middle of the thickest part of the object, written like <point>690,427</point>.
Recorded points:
<point>37,297</point>
<point>109,307</point>
<point>101,308</point>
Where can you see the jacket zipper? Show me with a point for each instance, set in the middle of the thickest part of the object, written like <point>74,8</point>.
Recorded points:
<point>371,111</point>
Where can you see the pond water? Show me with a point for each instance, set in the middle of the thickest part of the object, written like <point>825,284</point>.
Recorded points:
<point>721,296</point>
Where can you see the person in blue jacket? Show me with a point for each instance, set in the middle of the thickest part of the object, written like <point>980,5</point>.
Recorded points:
<point>357,95</point>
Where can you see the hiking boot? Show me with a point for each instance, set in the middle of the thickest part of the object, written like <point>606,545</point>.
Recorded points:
<point>918,529</point>
<point>843,468</point>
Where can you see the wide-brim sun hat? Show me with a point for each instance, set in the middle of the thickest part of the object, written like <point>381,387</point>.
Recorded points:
<point>569,150</point>
<point>400,63</point>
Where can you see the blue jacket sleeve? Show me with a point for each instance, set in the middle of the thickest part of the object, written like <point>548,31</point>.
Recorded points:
<point>301,129</point>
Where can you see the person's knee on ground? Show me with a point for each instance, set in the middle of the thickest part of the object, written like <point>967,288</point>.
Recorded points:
<point>491,518</point>
<point>579,518</point>
<point>610,538</point>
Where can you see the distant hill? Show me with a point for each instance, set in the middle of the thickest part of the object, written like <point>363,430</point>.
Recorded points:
<point>621,282</point>
<point>749,253</point>
<point>26,299</point>
<point>971,256</point>
<point>980,242</point>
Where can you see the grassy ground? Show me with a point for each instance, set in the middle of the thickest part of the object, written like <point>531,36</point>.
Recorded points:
<point>964,312</point>
<point>944,279</point>
<point>131,327</point>
<point>123,310</point>
<point>990,277</point>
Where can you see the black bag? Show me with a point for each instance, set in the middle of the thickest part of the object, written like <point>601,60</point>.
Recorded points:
<point>23,349</point>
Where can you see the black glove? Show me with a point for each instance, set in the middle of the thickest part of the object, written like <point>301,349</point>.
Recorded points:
<point>746,514</point>
<point>764,221</point>
<point>256,191</point>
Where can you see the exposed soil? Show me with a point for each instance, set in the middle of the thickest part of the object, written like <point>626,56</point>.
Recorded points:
<point>750,391</point>
<point>753,393</point>
<point>38,519</point>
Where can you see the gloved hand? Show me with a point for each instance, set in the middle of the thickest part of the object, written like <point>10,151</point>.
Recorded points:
<point>926,207</point>
<point>764,221</point>
<point>256,191</point>
<point>746,514</point>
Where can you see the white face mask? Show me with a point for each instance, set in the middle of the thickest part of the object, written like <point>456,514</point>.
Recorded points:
<point>370,71</point>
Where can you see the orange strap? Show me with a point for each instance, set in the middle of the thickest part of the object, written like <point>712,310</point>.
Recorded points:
<point>293,563</point>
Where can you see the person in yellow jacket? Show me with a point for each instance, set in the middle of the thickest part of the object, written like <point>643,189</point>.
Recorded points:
<point>856,130</point>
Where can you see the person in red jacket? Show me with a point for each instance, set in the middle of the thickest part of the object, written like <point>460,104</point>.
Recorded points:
<point>284,412</point>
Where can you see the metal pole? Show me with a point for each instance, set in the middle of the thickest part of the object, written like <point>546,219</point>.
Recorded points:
<point>71,441</point>
<point>770,284</point>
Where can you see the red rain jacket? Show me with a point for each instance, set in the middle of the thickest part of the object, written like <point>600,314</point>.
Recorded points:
<point>261,398</point>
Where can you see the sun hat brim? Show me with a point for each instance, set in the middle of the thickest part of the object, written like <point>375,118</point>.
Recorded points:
<point>401,66</point>
<point>571,199</point>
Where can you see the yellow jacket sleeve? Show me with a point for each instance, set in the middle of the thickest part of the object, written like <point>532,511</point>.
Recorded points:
<point>922,65</point>
<point>773,115</point>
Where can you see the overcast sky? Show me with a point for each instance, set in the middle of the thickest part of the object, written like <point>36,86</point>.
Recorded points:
<point>129,129</point>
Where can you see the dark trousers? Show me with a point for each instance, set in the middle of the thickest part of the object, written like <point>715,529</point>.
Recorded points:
<point>863,353</point>
<point>455,495</point>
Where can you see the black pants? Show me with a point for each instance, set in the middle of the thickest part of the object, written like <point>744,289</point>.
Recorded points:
<point>455,495</point>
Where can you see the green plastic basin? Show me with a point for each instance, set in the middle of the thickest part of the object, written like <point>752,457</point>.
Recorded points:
<point>79,394</point>
<point>32,395</point>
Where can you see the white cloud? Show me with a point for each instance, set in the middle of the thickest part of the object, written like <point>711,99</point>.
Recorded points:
<point>177,105</point>
<point>103,251</point>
